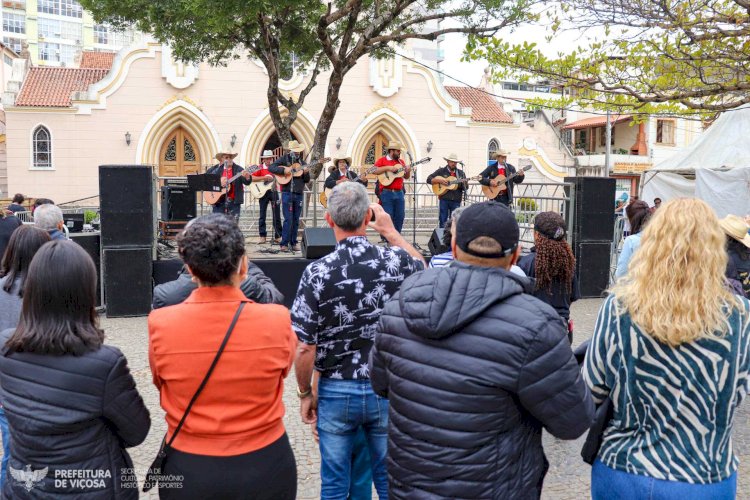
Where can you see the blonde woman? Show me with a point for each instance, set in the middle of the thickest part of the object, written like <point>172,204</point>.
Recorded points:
<point>671,348</point>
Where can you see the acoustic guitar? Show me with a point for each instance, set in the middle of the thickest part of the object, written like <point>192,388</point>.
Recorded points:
<point>259,189</point>
<point>453,183</point>
<point>213,197</point>
<point>387,178</point>
<point>323,197</point>
<point>297,171</point>
<point>492,192</point>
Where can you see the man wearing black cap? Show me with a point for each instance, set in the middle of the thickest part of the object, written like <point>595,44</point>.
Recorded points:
<point>473,368</point>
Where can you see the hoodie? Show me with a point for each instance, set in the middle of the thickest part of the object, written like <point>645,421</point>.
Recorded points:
<point>474,367</point>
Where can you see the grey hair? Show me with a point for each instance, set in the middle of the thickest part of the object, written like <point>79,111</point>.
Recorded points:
<point>348,205</point>
<point>47,216</point>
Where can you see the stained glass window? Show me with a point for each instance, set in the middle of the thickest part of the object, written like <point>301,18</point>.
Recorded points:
<point>492,148</point>
<point>370,157</point>
<point>42,144</point>
<point>171,153</point>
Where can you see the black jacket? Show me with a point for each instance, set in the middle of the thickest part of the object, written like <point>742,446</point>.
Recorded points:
<point>474,367</point>
<point>456,194</point>
<point>558,296</point>
<point>71,413</point>
<point>297,184</point>
<point>336,175</point>
<point>238,183</point>
<point>490,173</point>
<point>256,286</point>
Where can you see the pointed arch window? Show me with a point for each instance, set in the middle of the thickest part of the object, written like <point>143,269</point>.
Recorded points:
<point>42,147</point>
<point>492,148</point>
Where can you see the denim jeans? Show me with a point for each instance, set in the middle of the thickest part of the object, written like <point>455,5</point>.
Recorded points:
<point>360,487</point>
<point>228,207</point>
<point>611,484</point>
<point>6,445</point>
<point>265,200</point>
<point>345,407</point>
<point>291,204</point>
<point>446,209</point>
<point>394,205</point>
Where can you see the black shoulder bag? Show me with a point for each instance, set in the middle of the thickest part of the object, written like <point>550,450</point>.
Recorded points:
<point>152,477</point>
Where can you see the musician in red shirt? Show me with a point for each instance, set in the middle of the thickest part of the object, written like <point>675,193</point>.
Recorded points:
<point>230,203</point>
<point>269,197</point>
<point>506,170</point>
<point>392,196</point>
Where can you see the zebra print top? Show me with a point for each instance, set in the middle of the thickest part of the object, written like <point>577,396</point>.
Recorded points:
<point>673,407</point>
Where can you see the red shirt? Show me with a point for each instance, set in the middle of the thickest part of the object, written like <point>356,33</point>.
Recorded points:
<point>397,184</point>
<point>262,171</point>
<point>229,173</point>
<point>500,169</point>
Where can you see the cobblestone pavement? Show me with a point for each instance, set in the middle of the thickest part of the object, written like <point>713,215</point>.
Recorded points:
<point>568,476</point>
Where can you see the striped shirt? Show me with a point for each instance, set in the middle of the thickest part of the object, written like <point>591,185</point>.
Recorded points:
<point>673,406</point>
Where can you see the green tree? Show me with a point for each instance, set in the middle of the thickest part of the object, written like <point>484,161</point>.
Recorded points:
<point>677,56</point>
<point>330,37</point>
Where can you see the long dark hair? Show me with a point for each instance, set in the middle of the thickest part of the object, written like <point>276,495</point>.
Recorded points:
<point>212,246</point>
<point>554,261</point>
<point>22,246</point>
<point>58,315</point>
<point>638,214</point>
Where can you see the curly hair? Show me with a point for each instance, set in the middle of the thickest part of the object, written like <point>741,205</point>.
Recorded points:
<point>554,261</point>
<point>212,247</point>
<point>675,290</point>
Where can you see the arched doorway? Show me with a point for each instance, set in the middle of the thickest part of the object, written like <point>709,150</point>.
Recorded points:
<point>274,144</point>
<point>179,155</point>
<point>376,148</point>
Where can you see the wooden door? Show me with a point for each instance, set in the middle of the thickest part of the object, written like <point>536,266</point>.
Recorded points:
<point>179,156</point>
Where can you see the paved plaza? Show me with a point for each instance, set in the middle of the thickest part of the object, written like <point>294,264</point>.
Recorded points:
<point>568,476</point>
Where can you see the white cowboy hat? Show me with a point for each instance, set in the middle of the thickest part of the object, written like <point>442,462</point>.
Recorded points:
<point>337,158</point>
<point>295,146</point>
<point>267,153</point>
<point>222,153</point>
<point>452,157</point>
<point>395,145</point>
<point>502,152</point>
<point>735,227</point>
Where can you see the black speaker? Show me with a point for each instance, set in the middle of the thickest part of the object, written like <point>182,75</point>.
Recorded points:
<point>177,203</point>
<point>74,222</point>
<point>592,267</point>
<point>126,200</point>
<point>127,281</point>
<point>317,242</point>
<point>91,242</point>
<point>436,242</point>
<point>594,202</point>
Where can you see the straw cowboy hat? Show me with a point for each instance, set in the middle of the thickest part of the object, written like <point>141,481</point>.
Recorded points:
<point>223,152</point>
<point>452,157</point>
<point>735,227</point>
<point>267,153</point>
<point>295,146</point>
<point>501,152</point>
<point>395,145</point>
<point>335,162</point>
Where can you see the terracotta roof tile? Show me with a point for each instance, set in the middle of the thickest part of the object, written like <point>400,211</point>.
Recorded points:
<point>98,60</point>
<point>52,87</point>
<point>484,108</point>
<point>596,121</point>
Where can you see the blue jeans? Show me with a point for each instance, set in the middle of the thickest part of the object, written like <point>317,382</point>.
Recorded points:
<point>6,445</point>
<point>446,209</point>
<point>345,407</point>
<point>291,204</point>
<point>393,204</point>
<point>360,487</point>
<point>228,207</point>
<point>269,199</point>
<point>611,484</point>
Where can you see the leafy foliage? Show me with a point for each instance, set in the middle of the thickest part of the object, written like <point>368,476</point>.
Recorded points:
<point>675,56</point>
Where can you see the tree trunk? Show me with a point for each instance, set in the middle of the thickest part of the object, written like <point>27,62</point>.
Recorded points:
<point>326,119</point>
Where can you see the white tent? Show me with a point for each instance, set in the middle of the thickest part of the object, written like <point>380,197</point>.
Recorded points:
<point>715,168</point>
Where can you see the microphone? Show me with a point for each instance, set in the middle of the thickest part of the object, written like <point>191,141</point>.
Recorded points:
<point>411,160</point>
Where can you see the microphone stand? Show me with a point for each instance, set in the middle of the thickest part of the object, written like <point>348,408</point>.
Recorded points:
<point>414,207</point>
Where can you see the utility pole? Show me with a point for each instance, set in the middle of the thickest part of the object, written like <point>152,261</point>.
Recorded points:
<point>608,150</point>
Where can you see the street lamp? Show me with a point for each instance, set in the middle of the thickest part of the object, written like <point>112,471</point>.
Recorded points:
<point>233,140</point>
<point>127,138</point>
<point>429,146</point>
<point>338,143</point>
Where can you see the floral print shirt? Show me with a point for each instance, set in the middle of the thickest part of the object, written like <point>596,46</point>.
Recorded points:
<point>339,301</point>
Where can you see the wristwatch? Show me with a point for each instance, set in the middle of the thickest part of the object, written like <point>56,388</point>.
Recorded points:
<point>303,395</point>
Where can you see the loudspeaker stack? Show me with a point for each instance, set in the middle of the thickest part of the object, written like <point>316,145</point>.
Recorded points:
<point>593,232</point>
<point>317,242</point>
<point>126,195</point>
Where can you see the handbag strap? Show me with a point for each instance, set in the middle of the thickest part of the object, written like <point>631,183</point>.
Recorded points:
<point>208,374</point>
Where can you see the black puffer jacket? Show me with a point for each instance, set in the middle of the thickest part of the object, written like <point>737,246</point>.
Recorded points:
<point>473,368</point>
<point>73,416</point>
<point>256,286</point>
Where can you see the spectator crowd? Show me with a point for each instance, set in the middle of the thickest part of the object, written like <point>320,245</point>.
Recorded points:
<point>418,381</point>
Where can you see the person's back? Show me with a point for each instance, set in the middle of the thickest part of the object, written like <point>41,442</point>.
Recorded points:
<point>474,367</point>
<point>672,352</point>
<point>8,224</point>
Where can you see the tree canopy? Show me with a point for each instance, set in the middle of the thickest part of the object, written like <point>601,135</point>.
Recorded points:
<point>324,37</point>
<point>675,56</point>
